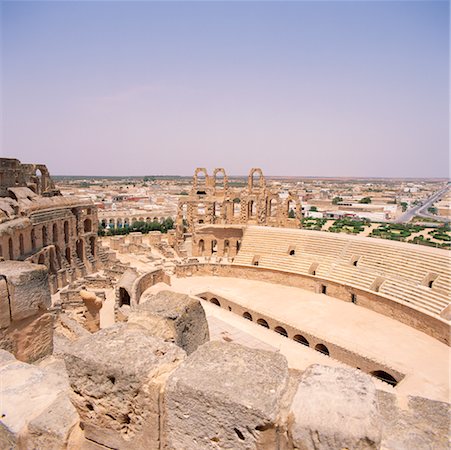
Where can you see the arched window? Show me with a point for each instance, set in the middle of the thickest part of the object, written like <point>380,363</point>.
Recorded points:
<point>247,316</point>
<point>281,331</point>
<point>124,297</point>
<point>21,245</point>
<point>301,339</point>
<point>44,236</point>
<point>214,246</point>
<point>80,249</point>
<point>55,233</point>
<point>322,349</point>
<point>384,376</point>
<point>10,248</point>
<point>263,323</point>
<point>87,225</point>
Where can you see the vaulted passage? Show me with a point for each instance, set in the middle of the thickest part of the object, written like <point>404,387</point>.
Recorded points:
<point>384,376</point>
<point>322,349</point>
<point>124,297</point>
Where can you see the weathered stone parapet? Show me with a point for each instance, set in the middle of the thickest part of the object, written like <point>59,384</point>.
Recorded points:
<point>226,396</point>
<point>117,376</point>
<point>335,408</point>
<point>26,327</point>
<point>173,317</point>
<point>36,412</point>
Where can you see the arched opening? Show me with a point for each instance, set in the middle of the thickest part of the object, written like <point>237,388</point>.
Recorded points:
<point>384,376</point>
<point>119,223</point>
<point>272,206</point>
<point>52,263</point>
<point>219,176</point>
<point>238,246</point>
<point>281,331</point>
<point>291,209</point>
<point>226,248</point>
<point>124,297</point>
<point>92,243</point>
<point>256,178</point>
<point>301,339</point>
<point>216,209</point>
<point>201,209</point>
<point>55,233</point>
<point>38,175</point>
<point>236,207</point>
<point>214,246</point>
<point>201,247</point>
<point>431,283</point>
<point>252,208</point>
<point>87,225</point>
<point>200,178</point>
<point>263,323</point>
<point>1,251</point>
<point>68,257</point>
<point>354,298</point>
<point>44,236</point>
<point>10,249</point>
<point>215,301</point>
<point>33,240</point>
<point>21,245</point>
<point>322,349</point>
<point>80,249</point>
<point>324,289</point>
<point>247,316</point>
<point>41,259</point>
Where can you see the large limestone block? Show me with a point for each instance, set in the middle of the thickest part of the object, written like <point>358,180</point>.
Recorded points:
<point>335,408</point>
<point>421,424</point>
<point>116,376</point>
<point>35,409</point>
<point>174,317</point>
<point>226,396</point>
<point>29,339</point>
<point>28,287</point>
<point>5,313</point>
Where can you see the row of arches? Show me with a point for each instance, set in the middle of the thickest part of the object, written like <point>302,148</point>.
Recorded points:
<point>121,222</point>
<point>319,347</point>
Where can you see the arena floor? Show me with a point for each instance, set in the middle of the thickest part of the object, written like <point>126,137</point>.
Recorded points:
<point>423,360</point>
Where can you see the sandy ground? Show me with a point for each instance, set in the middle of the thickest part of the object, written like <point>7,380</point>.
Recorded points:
<point>424,360</point>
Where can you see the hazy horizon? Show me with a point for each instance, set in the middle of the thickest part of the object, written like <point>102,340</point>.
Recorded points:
<point>343,89</point>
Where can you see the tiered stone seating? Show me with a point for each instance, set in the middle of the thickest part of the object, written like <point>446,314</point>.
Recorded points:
<point>404,269</point>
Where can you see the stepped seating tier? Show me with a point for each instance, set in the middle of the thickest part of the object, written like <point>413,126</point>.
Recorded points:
<point>403,270</point>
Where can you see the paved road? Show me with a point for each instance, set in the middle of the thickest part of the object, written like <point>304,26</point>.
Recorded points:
<point>422,210</point>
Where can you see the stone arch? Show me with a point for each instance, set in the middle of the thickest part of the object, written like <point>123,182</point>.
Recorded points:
<point>55,234</point>
<point>44,236</point>
<point>252,208</point>
<point>301,339</point>
<point>52,261</point>
<point>272,207</point>
<point>384,376</point>
<point>33,239</point>
<point>87,225</point>
<point>281,330</point>
<point>80,249</point>
<point>256,175</point>
<point>21,245</point>
<point>200,180</point>
<point>263,323</point>
<point>201,247</point>
<point>124,297</point>
<point>226,247</point>
<point>247,316</point>
<point>68,255</point>
<point>215,301</point>
<point>236,207</point>
<point>220,178</point>
<point>322,349</point>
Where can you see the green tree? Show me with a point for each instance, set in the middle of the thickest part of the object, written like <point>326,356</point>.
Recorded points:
<point>313,208</point>
<point>404,206</point>
<point>433,210</point>
<point>336,200</point>
<point>365,200</point>
<point>291,214</point>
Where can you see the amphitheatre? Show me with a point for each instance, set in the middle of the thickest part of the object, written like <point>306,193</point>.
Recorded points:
<point>236,330</point>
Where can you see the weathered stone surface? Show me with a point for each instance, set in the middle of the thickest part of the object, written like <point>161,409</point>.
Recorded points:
<point>5,313</point>
<point>35,409</point>
<point>175,318</point>
<point>6,357</point>
<point>226,396</point>
<point>335,408</point>
<point>423,425</point>
<point>28,288</point>
<point>29,339</point>
<point>116,376</point>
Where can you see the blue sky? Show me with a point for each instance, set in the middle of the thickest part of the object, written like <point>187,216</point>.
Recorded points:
<point>313,88</point>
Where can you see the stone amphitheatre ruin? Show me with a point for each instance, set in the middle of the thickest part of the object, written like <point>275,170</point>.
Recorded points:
<point>236,331</point>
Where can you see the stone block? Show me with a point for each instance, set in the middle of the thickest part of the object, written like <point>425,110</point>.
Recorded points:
<point>29,339</point>
<point>173,317</point>
<point>335,408</point>
<point>226,396</point>
<point>117,375</point>
<point>5,312</point>
<point>36,412</point>
<point>28,288</point>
